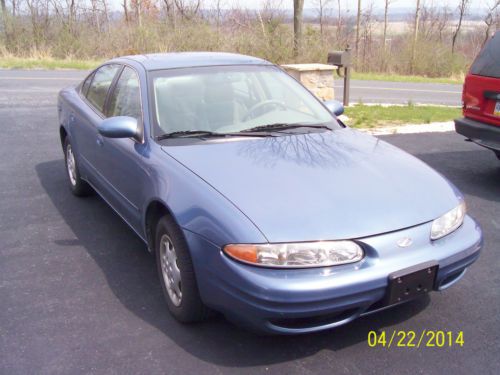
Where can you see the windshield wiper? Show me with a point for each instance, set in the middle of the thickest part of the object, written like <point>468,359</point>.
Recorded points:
<point>189,133</point>
<point>284,126</point>
<point>202,134</point>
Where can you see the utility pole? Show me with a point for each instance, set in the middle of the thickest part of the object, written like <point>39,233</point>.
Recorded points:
<point>358,19</point>
<point>415,37</point>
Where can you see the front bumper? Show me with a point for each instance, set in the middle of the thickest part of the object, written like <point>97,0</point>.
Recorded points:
<point>483,134</point>
<point>307,300</point>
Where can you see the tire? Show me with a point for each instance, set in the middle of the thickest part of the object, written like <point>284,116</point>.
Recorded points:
<point>78,187</point>
<point>497,153</point>
<point>176,273</point>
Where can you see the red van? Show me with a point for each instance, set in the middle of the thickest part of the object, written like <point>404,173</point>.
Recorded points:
<point>481,98</point>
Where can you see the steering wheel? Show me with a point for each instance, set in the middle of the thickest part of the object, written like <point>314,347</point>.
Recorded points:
<point>275,103</point>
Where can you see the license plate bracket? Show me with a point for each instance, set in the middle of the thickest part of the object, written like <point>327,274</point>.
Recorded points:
<point>411,282</point>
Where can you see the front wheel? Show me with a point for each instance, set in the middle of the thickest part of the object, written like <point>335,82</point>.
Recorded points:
<point>77,185</point>
<point>176,272</point>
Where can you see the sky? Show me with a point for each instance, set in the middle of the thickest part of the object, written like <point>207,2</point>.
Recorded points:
<point>345,4</point>
<point>352,4</point>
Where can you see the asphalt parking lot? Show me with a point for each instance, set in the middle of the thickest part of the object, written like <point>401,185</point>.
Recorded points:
<point>79,293</point>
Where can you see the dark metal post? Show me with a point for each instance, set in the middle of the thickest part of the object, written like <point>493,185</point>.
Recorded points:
<point>342,59</point>
<point>347,78</point>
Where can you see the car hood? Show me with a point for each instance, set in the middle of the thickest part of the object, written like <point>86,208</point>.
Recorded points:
<point>320,186</point>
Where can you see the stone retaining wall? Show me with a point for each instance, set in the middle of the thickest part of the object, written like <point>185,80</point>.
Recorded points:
<point>318,78</point>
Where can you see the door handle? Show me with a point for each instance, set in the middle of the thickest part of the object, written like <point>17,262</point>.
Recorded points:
<point>100,141</point>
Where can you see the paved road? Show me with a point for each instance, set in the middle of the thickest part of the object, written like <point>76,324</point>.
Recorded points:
<point>365,91</point>
<point>79,293</point>
<point>401,92</point>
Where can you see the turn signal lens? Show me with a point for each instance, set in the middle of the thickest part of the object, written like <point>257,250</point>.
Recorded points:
<point>297,255</point>
<point>246,253</point>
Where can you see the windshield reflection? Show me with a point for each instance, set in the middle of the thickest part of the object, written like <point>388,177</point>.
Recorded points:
<point>318,149</point>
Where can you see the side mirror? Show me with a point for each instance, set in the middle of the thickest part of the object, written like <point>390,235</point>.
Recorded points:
<point>334,106</point>
<point>119,127</point>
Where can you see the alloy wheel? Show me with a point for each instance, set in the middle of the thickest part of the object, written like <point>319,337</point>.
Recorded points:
<point>170,270</point>
<point>71,165</point>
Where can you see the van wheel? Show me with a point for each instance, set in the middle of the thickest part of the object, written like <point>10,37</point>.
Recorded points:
<point>176,272</point>
<point>78,187</point>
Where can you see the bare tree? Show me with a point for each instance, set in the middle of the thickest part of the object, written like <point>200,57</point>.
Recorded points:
<point>491,18</point>
<point>443,21</point>
<point>358,19</point>
<point>433,20</point>
<point>125,10</point>
<point>96,14</point>
<point>415,36</point>
<point>321,6</point>
<point>170,12</point>
<point>339,21</point>
<point>66,10</point>
<point>38,12</point>
<point>462,9</point>
<point>367,33</point>
<point>137,7</point>
<point>105,14</point>
<point>3,9</point>
<point>342,22</point>
<point>188,9</point>
<point>386,12</point>
<point>298,8</point>
<point>218,9</point>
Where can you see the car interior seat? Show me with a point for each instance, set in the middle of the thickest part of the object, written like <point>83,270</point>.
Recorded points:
<point>180,104</point>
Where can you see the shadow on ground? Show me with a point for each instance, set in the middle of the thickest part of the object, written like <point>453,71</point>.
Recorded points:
<point>476,173</point>
<point>131,275</point>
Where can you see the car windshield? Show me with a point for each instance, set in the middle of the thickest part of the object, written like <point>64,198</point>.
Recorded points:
<point>229,99</point>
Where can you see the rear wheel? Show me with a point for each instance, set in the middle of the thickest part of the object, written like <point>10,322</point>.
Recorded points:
<point>176,272</point>
<point>77,185</point>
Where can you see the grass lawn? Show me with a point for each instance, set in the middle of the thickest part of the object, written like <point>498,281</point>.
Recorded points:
<point>9,62</point>
<point>402,78</point>
<point>369,116</point>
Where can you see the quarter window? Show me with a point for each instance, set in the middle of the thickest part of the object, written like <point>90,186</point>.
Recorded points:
<point>487,63</point>
<point>125,100</point>
<point>86,84</point>
<point>99,87</point>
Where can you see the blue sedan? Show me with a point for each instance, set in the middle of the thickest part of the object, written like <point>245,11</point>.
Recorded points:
<point>255,199</point>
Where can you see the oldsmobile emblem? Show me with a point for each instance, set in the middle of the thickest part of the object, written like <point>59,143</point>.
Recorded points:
<point>404,242</point>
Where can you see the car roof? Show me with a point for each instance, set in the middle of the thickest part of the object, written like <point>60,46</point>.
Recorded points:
<point>159,61</point>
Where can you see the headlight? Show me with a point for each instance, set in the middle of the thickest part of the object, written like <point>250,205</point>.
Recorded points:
<point>448,222</point>
<point>302,254</point>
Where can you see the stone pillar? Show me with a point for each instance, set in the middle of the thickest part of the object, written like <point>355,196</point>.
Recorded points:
<point>318,78</point>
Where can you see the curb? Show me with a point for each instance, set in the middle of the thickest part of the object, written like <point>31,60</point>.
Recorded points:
<point>433,127</point>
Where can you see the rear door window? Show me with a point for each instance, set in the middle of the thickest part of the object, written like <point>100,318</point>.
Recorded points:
<point>125,100</point>
<point>98,89</point>
<point>487,63</point>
